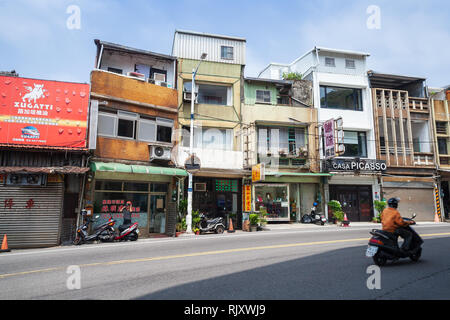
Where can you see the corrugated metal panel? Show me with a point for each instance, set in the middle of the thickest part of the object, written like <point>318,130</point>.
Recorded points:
<point>30,215</point>
<point>190,46</point>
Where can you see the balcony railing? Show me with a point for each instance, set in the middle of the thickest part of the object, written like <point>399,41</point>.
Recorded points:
<point>418,104</point>
<point>423,159</point>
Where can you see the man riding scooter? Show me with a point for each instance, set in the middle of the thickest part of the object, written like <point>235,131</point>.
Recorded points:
<point>392,222</point>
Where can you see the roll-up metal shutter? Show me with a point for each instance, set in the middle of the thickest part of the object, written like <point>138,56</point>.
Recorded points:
<point>30,216</point>
<point>414,200</point>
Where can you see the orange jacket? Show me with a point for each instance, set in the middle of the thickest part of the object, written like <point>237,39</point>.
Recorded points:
<point>391,220</point>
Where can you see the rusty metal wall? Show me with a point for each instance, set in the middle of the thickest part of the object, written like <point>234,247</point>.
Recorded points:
<point>30,216</point>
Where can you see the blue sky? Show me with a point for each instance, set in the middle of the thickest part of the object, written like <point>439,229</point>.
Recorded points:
<point>413,39</point>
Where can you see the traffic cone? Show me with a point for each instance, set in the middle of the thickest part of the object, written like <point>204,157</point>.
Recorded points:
<point>5,245</point>
<point>345,223</point>
<point>230,227</point>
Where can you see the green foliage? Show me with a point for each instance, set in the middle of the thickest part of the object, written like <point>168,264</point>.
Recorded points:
<point>182,209</point>
<point>195,221</point>
<point>380,206</point>
<point>254,219</point>
<point>292,76</point>
<point>262,215</point>
<point>336,209</point>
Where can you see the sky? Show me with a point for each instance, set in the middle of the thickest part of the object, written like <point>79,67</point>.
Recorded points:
<point>46,39</point>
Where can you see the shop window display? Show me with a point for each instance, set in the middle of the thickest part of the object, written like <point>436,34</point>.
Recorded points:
<point>274,198</point>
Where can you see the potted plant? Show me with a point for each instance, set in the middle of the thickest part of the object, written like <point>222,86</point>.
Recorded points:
<point>254,219</point>
<point>336,210</point>
<point>379,206</point>
<point>262,216</point>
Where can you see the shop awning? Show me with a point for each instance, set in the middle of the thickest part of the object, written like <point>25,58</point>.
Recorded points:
<point>126,168</point>
<point>48,170</point>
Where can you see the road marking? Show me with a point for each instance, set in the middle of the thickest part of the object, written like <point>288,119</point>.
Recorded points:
<point>205,253</point>
<point>210,237</point>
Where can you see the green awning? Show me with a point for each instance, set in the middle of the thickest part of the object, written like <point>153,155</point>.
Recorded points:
<point>125,168</point>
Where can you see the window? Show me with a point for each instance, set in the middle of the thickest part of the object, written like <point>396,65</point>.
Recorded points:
<point>211,94</point>
<point>341,98</point>
<point>274,199</point>
<point>442,145</point>
<point>263,96</point>
<point>115,70</point>
<point>355,144</point>
<point>226,52</point>
<point>329,62</point>
<point>130,125</point>
<point>283,141</point>
<point>350,63</point>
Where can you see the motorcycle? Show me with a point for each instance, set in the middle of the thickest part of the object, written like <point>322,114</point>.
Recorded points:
<point>214,225</point>
<point>313,217</point>
<point>104,232</point>
<point>128,232</point>
<point>383,246</point>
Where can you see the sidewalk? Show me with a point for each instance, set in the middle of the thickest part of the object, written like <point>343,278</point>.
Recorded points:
<point>307,226</point>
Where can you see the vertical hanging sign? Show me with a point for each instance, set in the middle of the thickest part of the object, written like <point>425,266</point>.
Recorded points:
<point>328,136</point>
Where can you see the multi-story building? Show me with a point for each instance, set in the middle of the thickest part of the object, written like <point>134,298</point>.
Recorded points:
<point>341,90</point>
<point>133,96</point>
<point>280,130</point>
<point>440,98</point>
<point>43,159</point>
<point>217,186</point>
<point>405,139</point>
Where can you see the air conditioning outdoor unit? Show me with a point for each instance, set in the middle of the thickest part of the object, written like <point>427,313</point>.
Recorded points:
<point>187,96</point>
<point>152,81</point>
<point>31,179</point>
<point>200,187</point>
<point>160,153</point>
<point>136,75</point>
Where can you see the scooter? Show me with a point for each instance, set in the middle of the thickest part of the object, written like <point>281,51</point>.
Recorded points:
<point>130,232</point>
<point>383,246</point>
<point>103,232</point>
<point>214,225</point>
<point>313,217</point>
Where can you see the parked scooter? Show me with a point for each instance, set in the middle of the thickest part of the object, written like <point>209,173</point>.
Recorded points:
<point>313,217</point>
<point>103,232</point>
<point>128,232</point>
<point>383,246</point>
<point>214,225</point>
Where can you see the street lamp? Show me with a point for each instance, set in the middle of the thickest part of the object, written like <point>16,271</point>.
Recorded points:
<point>191,147</point>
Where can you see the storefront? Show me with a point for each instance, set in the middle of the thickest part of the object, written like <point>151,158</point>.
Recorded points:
<point>356,184</point>
<point>218,197</point>
<point>287,196</point>
<point>150,190</point>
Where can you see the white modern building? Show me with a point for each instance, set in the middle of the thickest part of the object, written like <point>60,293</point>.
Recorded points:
<point>342,89</point>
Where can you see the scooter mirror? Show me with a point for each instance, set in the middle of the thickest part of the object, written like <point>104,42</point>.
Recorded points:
<point>413,216</point>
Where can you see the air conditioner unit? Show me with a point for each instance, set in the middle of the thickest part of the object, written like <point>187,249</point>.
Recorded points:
<point>32,179</point>
<point>200,187</point>
<point>136,75</point>
<point>187,96</point>
<point>152,81</point>
<point>163,84</point>
<point>160,153</point>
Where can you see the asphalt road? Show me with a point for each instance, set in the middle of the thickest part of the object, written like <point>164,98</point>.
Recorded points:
<point>270,265</point>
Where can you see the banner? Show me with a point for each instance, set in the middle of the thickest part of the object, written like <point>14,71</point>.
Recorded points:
<point>43,113</point>
<point>247,198</point>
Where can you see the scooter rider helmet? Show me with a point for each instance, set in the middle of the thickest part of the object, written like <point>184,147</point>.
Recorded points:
<point>393,202</point>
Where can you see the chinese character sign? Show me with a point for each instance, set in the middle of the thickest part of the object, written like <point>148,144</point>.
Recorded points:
<point>43,113</point>
<point>328,136</point>
<point>247,198</point>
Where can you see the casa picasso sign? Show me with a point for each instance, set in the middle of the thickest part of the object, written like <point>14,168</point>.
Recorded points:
<point>355,165</point>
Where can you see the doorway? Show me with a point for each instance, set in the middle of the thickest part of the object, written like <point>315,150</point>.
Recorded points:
<point>157,213</point>
<point>356,201</point>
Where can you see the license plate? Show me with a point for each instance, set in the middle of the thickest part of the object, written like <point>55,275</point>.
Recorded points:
<point>371,251</point>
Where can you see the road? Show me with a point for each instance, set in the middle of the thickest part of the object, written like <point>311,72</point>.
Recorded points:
<point>326,263</point>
